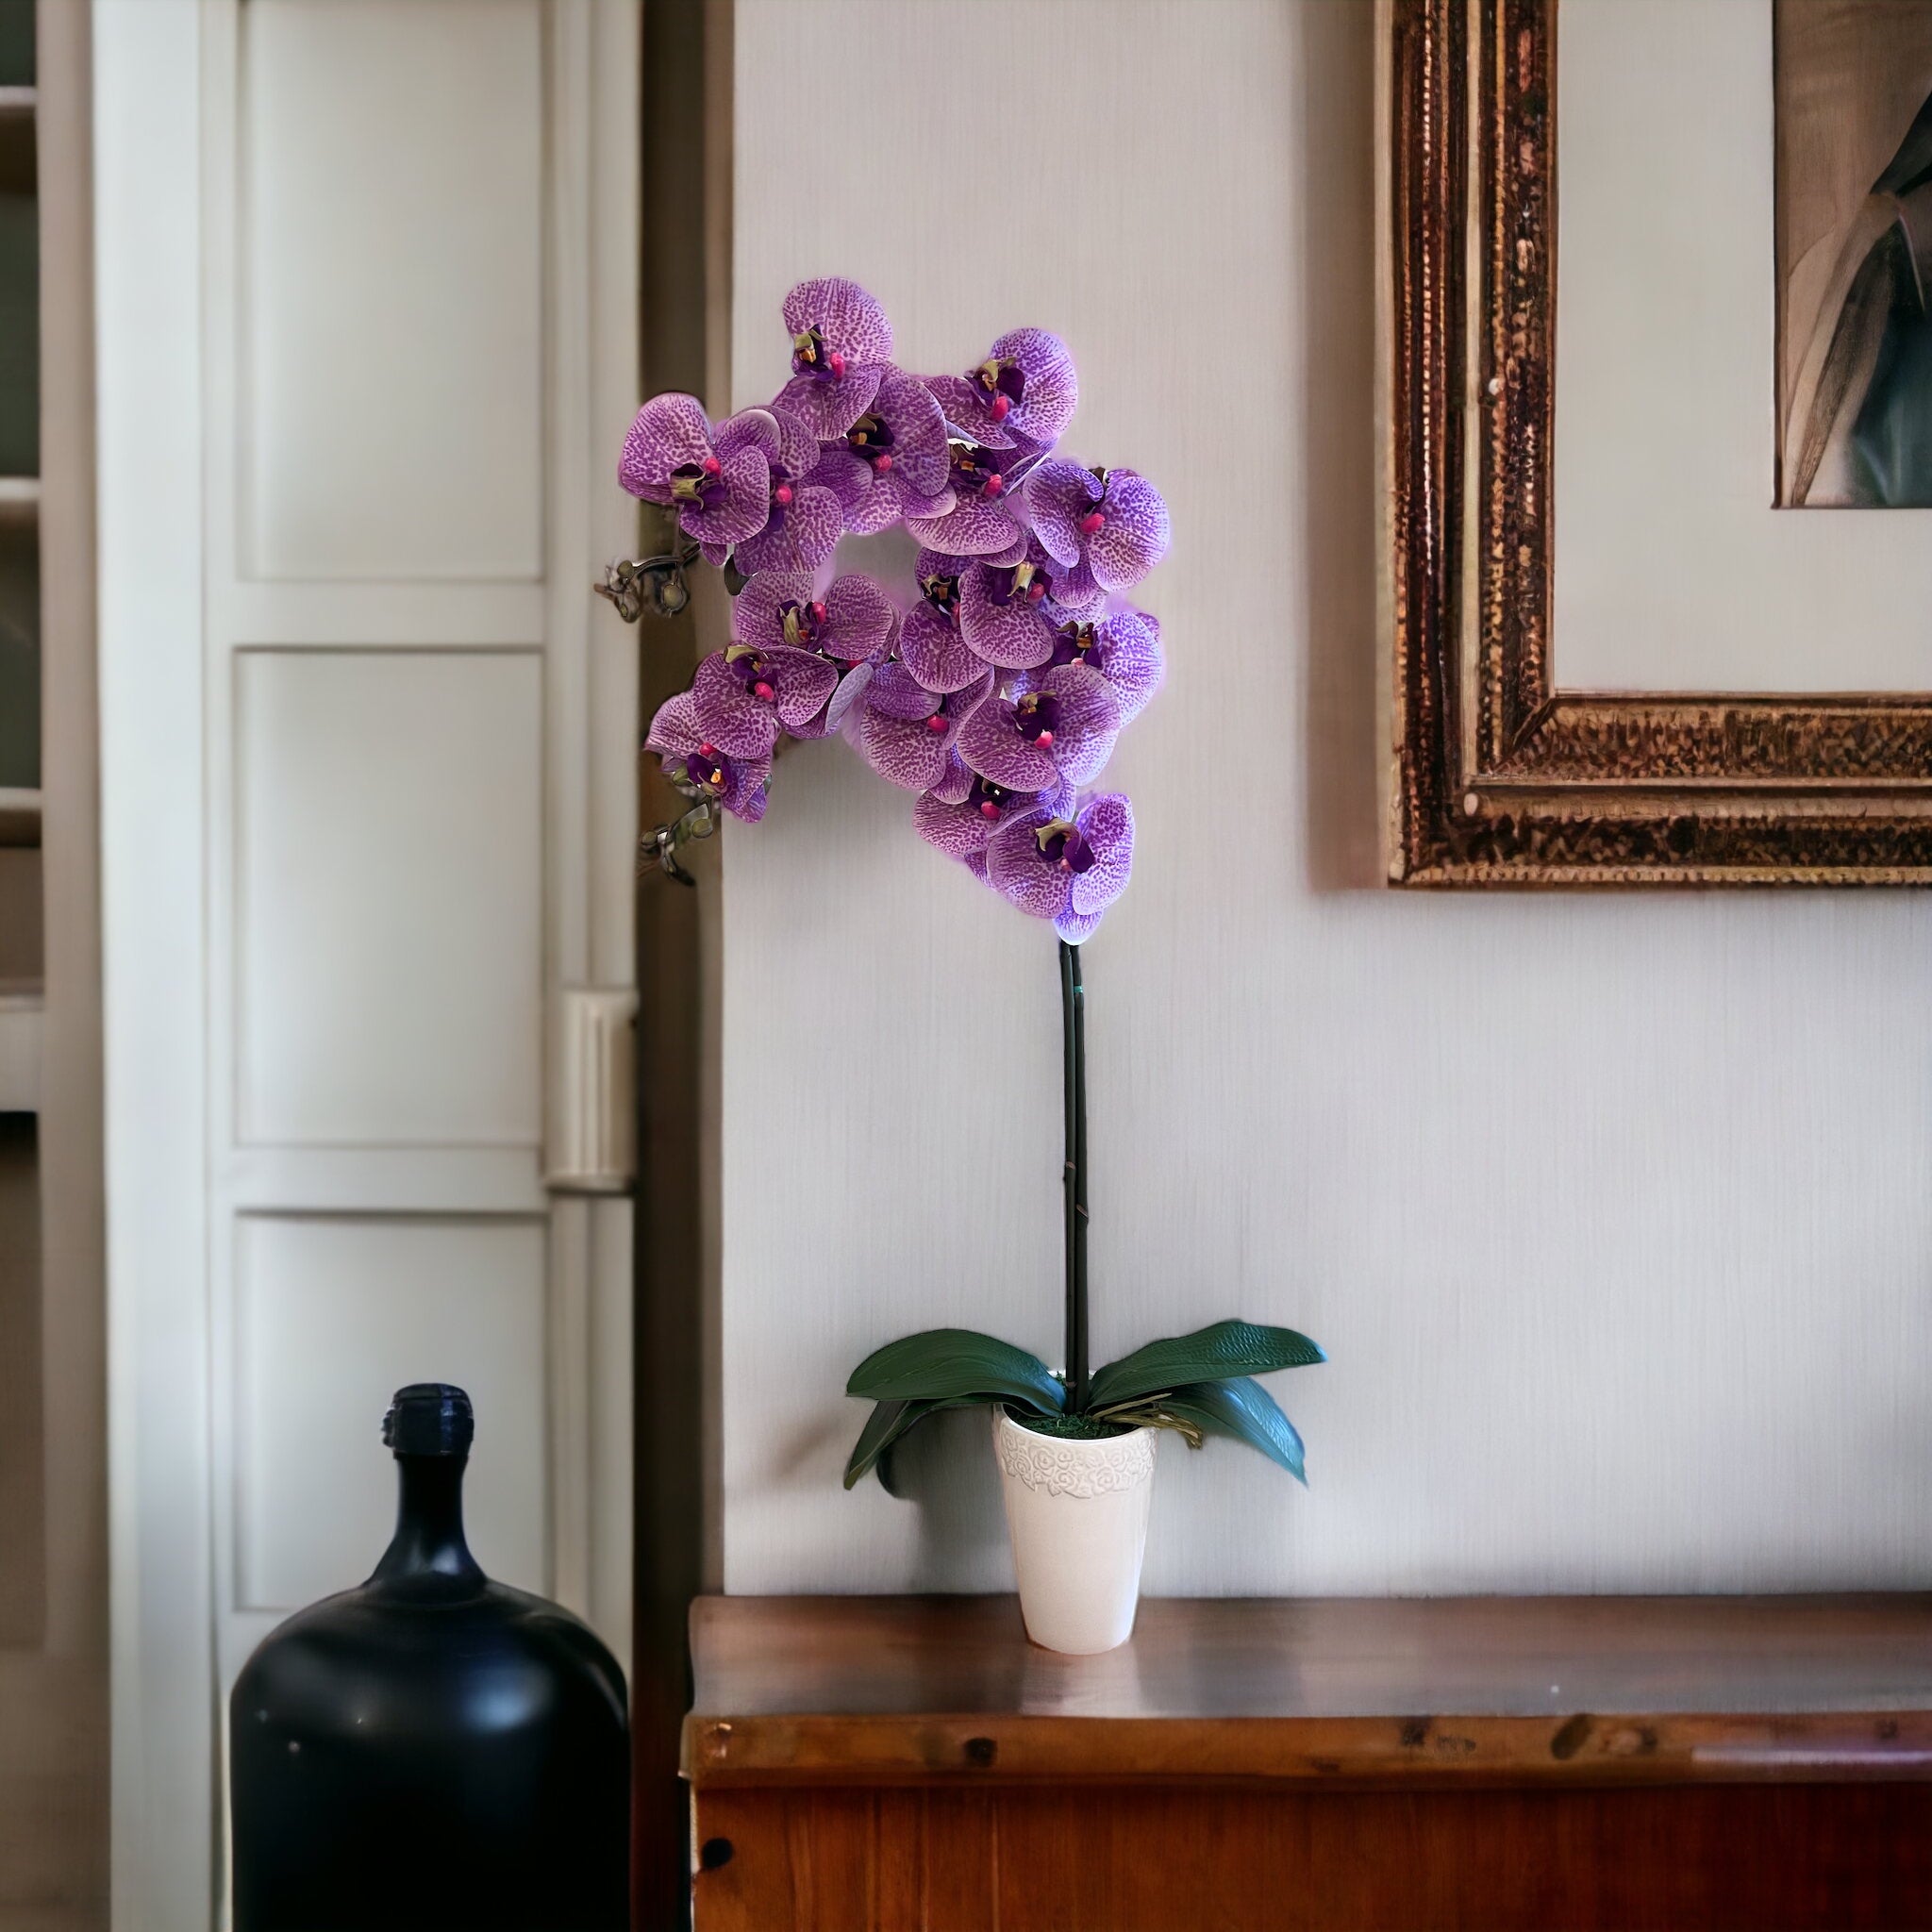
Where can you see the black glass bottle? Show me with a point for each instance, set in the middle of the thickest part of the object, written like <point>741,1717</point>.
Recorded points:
<point>430,1750</point>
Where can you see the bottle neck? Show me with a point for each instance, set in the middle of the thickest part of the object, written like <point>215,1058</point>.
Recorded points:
<point>429,1523</point>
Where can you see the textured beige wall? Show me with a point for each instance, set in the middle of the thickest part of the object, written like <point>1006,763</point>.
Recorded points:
<point>1613,1211</point>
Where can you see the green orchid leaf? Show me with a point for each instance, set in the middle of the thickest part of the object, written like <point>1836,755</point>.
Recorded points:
<point>1209,1354</point>
<point>1243,1409</point>
<point>888,1420</point>
<point>957,1365</point>
<point>888,1423</point>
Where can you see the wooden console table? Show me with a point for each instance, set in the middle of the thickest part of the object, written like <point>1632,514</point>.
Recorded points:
<point>896,1764</point>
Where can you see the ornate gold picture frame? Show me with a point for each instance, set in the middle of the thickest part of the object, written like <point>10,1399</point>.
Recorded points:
<point>1499,777</point>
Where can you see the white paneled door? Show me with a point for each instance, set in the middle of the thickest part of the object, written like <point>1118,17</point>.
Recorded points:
<point>367,336</point>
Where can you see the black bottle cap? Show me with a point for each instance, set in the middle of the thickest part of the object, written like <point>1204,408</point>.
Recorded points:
<point>430,1419</point>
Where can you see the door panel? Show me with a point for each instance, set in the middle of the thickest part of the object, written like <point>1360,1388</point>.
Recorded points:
<point>379,843</point>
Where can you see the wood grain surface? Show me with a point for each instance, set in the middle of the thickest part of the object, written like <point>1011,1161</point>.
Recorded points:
<point>1687,1762</point>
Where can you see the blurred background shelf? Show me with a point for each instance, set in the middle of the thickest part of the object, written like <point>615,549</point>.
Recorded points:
<point>20,818</point>
<point>21,1018</point>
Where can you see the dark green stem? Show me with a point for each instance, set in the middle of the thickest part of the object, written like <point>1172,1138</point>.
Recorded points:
<point>1073,1065</point>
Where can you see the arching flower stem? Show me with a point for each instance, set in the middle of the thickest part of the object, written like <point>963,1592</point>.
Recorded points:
<point>1073,1064</point>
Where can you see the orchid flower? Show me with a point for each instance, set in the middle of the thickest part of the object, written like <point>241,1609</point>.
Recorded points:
<point>1066,867</point>
<point>907,732</point>
<point>1004,614</point>
<point>1025,392</point>
<point>692,759</point>
<point>745,694</point>
<point>1060,728</point>
<point>891,464</point>
<point>1123,646</point>
<point>963,810</point>
<point>805,522</point>
<point>851,628</point>
<point>720,482</point>
<point>1105,529</point>
<point>841,345</point>
<point>981,520</point>
<point>931,645</point>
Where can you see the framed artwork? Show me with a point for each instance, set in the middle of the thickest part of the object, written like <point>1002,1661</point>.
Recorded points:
<point>1626,646</point>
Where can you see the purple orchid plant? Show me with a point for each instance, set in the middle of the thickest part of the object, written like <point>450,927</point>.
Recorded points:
<point>993,687</point>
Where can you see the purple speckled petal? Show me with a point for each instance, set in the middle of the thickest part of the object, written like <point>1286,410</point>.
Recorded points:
<point>879,508</point>
<point>1053,387</point>
<point>1076,592</point>
<point>1017,870</point>
<point>847,476</point>
<point>1089,722</point>
<point>858,620</point>
<point>976,527</point>
<point>798,448</point>
<point>990,742</point>
<point>904,751</point>
<point>935,652</point>
<point>670,431</point>
<point>975,863</point>
<point>805,684</point>
<point>674,728</point>
<point>755,618</point>
<point>896,693</point>
<point>850,320</point>
<point>956,829</point>
<point>828,410</point>
<point>1076,929</point>
<point>852,688</point>
<point>749,430</point>
<point>1015,552</point>
<point>953,787</point>
<point>1131,658</point>
<point>1135,536</point>
<point>927,509</point>
<point>727,715</point>
<point>1015,635</point>
<point>939,563</point>
<point>919,432</point>
<point>675,734</point>
<point>1106,823</point>
<point>816,522</point>
<point>963,405</point>
<point>740,513</point>
<point>745,797</point>
<point>800,534</point>
<point>1058,495</point>
<point>716,555</point>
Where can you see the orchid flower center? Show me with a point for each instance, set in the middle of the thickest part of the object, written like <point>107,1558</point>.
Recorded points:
<point>1022,584</point>
<point>809,356</point>
<point>988,800</point>
<point>944,717</point>
<point>872,439</point>
<point>707,769</point>
<point>1035,716</point>
<point>755,670</point>
<point>977,471</point>
<point>1096,519</point>
<point>1078,643</point>
<point>942,594</point>
<point>700,483</point>
<point>1060,844</point>
<point>801,624</point>
<point>1003,382</point>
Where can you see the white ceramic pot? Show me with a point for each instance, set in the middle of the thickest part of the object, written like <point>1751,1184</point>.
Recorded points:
<point>1077,1514</point>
